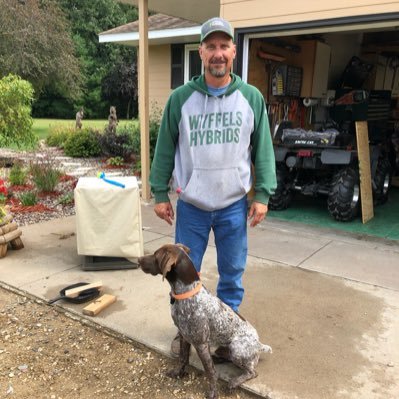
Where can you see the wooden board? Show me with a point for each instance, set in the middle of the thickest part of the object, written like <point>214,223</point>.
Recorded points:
<point>366,192</point>
<point>74,292</point>
<point>99,304</point>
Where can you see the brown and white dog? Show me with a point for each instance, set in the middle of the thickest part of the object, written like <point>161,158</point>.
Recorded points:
<point>203,319</point>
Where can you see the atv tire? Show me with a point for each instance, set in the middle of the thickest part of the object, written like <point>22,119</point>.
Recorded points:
<point>282,197</point>
<point>382,181</point>
<point>344,197</point>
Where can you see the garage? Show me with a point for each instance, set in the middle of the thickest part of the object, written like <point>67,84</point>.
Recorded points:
<point>332,92</point>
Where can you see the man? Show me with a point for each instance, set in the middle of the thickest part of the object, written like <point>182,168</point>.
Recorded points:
<point>213,128</point>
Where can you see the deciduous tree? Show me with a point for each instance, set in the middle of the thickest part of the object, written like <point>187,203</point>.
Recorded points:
<point>35,43</point>
<point>16,97</point>
<point>121,83</point>
<point>89,18</point>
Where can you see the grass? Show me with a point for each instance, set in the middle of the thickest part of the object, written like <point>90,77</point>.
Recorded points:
<point>41,127</point>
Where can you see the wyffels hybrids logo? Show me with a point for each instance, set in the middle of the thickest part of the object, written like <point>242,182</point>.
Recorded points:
<point>215,128</point>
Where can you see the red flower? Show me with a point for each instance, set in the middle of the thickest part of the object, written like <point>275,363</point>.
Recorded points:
<point>3,188</point>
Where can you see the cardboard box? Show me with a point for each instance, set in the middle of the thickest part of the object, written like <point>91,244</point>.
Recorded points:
<point>377,76</point>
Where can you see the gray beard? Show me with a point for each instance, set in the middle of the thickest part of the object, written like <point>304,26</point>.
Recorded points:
<point>217,73</point>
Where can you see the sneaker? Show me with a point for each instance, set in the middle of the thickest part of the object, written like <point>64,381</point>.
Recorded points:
<point>175,346</point>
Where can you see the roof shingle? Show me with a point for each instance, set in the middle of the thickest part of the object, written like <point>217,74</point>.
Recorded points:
<point>155,22</point>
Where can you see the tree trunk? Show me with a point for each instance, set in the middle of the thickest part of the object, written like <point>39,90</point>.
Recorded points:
<point>128,108</point>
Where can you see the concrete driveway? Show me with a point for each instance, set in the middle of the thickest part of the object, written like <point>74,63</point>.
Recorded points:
<point>327,303</point>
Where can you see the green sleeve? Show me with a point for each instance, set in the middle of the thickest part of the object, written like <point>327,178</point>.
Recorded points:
<point>164,156</point>
<point>262,152</point>
<point>168,138</point>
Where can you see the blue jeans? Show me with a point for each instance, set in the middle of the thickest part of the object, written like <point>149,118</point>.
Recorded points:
<point>229,226</point>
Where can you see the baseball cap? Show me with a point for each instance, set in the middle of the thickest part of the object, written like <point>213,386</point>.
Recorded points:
<point>216,25</point>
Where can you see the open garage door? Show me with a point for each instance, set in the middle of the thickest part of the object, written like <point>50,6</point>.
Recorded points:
<point>319,80</point>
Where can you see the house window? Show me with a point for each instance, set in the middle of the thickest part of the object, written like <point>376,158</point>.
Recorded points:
<point>186,63</point>
<point>193,63</point>
<point>177,57</point>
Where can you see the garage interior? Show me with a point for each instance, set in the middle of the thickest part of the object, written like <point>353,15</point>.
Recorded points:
<point>318,81</point>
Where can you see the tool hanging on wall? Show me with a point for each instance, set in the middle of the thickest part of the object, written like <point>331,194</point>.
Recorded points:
<point>310,103</point>
<point>270,60</point>
<point>277,83</point>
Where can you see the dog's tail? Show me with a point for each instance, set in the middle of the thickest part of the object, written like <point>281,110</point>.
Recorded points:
<point>265,348</point>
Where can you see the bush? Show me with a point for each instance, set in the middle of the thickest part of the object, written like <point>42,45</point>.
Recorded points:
<point>45,174</point>
<point>115,161</point>
<point>155,122</point>
<point>58,135</point>
<point>67,198</point>
<point>16,97</point>
<point>28,198</point>
<point>117,144</point>
<point>18,175</point>
<point>83,143</point>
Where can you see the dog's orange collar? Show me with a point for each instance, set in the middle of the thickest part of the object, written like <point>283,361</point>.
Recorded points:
<point>188,294</point>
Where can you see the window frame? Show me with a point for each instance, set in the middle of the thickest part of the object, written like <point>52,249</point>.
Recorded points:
<point>187,49</point>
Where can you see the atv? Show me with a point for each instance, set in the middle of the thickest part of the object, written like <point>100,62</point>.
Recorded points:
<point>325,162</point>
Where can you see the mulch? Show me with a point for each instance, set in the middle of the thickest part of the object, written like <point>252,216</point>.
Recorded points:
<point>30,208</point>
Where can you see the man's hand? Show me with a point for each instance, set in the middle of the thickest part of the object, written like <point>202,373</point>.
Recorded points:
<point>257,213</point>
<point>164,210</point>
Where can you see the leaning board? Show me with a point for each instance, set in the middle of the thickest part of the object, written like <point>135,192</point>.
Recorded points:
<point>366,193</point>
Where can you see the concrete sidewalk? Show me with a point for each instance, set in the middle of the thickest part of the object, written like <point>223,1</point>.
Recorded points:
<point>326,302</point>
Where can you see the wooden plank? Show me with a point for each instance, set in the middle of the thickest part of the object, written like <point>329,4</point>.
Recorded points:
<point>8,227</point>
<point>144,112</point>
<point>17,243</point>
<point>12,235</point>
<point>74,292</point>
<point>3,250</point>
<point>366,192</point>
<point>99,304</point>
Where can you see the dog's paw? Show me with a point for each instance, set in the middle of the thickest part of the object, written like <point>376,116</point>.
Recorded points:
<point>268,349</point>
<point>176,373</point>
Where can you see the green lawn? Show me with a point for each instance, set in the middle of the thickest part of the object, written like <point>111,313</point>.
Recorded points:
<point>41,127</point>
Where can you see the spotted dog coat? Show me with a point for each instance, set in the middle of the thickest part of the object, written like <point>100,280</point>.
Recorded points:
<point>203,319</point>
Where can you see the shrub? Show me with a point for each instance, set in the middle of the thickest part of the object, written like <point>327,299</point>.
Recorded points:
<point>58,135</point>
<point>83,143</point>
<point>16,97</point>
<point>66,199</point>
<point>154,124</point>
<point>115,161</point>
<point>28,198</point>
<point>117,144</point>
<point>45,174</point>
<point>18,174</point>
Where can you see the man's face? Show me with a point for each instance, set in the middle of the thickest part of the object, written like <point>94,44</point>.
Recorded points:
<point>217,52</point>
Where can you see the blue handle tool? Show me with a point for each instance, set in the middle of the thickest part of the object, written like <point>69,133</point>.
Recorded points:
<point>115,183</point>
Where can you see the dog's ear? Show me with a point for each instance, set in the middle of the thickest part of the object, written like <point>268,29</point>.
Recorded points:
<point>166,259</point>
<point>184,248</point>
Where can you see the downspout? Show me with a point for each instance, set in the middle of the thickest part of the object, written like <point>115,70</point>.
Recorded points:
<point>144,99</point>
